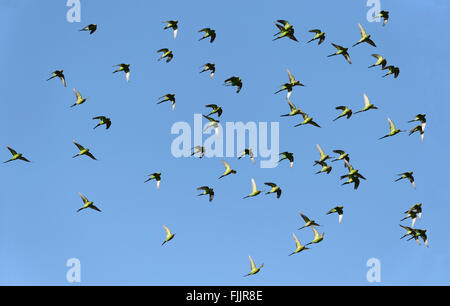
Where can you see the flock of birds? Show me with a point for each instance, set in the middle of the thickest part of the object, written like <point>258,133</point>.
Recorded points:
<point>286,30</point>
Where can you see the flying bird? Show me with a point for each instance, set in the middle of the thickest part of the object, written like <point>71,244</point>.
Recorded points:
<point>407,175</point>
<point>417,208</point>
<point>317,238</point>
<point>234,81</point>
<point>215,109</point>
<point>15,156</point>
<point>323,156</point>
<point>275,189</point>
<point>294,110</point>
<point>248,152</point>
<point>392,70</point>
<point>253,268</point>
<point>60,75</point>
<point>87,204</point>
<point>307,120</point>
<point>339,210</point>
<point>345,112</point>
<point>208,33</point>
<point>169,235</point>
<point>384,15</point>
<point>92,28</point>
<point>380,61</point>
<point>367,105</point>
<point>207,191</point>
<point>166,53</point>
<point>289,86</point>
<point>342,156</point>
<point>255,190</point>
<point>419,117</point>
<point>197,150</point>
<point>289,156</point>
<point>80,99</point>
<point>172,24</point>
<point>228,170</point>
<point>353,180</point>
<point>413,215</point>
<point>365,38</point>
<point>393,130</point>
<point>341,51</point>
<point>285,30</point>
<point>308,222</point>
<point>125,68</point>
<point>325,168</point>
<point>103,120</point>
<point>168,97</point>
<point>155,176</point>
<point>209,67</point>
<point>298,245</point>
<point>83,151</point>
<point>212,123</point>
<point>319,35</point>
<point>352,172</point>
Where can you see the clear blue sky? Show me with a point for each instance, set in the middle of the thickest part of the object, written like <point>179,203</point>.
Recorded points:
<point>40,229</point>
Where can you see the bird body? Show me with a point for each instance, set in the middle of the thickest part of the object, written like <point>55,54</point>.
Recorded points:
<point>253,268</point>
<point>80,99</point>
<point>285,30</point>
<point>380,61</point>
<point>319,36</point>
<point>228,170</point>
<point>172,24</point>
<point>234,81</point>
<point>298,245</point>
<point>339,210</point>
<point>393,130</point>
<point>215,109</point>
<point>385,16</point>
<point>317,238</point>
<point>364,37</point>
<point>325,168</point>
<point>248,152</point>
<point>323,156</point>
<point>207,191</point>
<point>83,151</point>
<point>367,105</point>
<point>289,86</point>
<point>294,110</point>
<point>155,176</point>
<point>166,53</point>
<point>407,175</point>
<point>308,222</point>
<point>212,123</point>
<point>345,112</point>
<point>342,156</point>
<point>199,149</point>
<point>169,235</point>
<point>275,189</point>
<point>307,120</point>
<point>60,75</point>
<point>168,97</point>
<point>341,51</point>
<point>91,28</point>
<point>125,68</point>
<point>208,33</point>
<point>392,70</point>
<point>103,121</point>
<point>289,156</point>
<point>15,156</point>
<point>87,204</point>
<point>209,67</point>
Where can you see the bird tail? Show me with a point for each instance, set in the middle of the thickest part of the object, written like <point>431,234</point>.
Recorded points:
<point>74,156</point>
<point>310,41</point>
<point>332,55</point>
<point>97,126</point>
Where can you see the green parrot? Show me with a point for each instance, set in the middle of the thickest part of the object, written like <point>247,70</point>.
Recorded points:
<point>169,235</point>
<point>255,190</point>
<point>172,24</point>
<point>325,168</point>
<point>342,156</point>
<point>422,234</point>
<point>384,15</point>
<point>212,123</point>
<point>419,128</point>
<point>87,204</point>
<point>364,37</point>
<point>155,176</point>
<point>166,53</point>
<point>288,86</point>
<point>199,149</point>
<point>367,105</point>
<point>323,156</point>
<point>317,238</point>
<point>307,120</point>
<point>168,97</point>
<point>248,152</point>
<point>319,35</point>
<point>417,208</point>
<point>392,70</point>
<point>103,120</point>
<point>208,33</point>
<point>294,110</point>
<point>308,222</point>
<point>209,67</point>
<point>341,51</point>
<point>352,180</point>
<point>207,191</point>
<point>393,130</point>
<point>407,175</point>
<point>80,99</point>
<point>352,172</point>
<point>419,117</point>
<point>234,81</point>
<point>409,231</point>
<point>275,189</point>
<point>83,151</point>
<point>92,28</point>
<point>345,112</point>
<point>215,109</point>
<point>253,268</point>
<point>380,61</point>
<point>299,246</point>
<point>339,210</point>
<point>125,68</point>
<point>228,170</point>
<point>285,30</point>
<point>15,156</point>
<point>289,156</point>
<point>60,75</point>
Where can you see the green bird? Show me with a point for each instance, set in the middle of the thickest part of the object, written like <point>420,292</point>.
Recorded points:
<point>352,180</point>
<point>407,175</point>
<point>285,30</point>
<point>289,156</point>
<point>60,75</point>
<point>87,204</point>
<point>393,130</point>
<point>125,68</point>
<point>384,15</point>
<point>212,123</point>
<point>308,222</point>
<point>341,51</point>
<point>228,170</point>
<point>103,120</point>
<point>367,105</point>
<point>155,176</point>
<point>298,245</point>
<point>413,215</point>
<point>289,86</point>
<point>392,70</point>
<point>294,110</point>
<point>172,24</point>
<point>307,120</point>
<point>83,151</point>
<point>207,191</point>
<point>419,117</point>
<point>352,172</point>
<point>255,190</point>
<point>380,61</point>
<point>417,208</point>
<point>323,156</point>
<point>253,268</point>
<point>325,168</point>
<point>169,235</point>
<point>342,156</point>
<point>317,238</point>
<point>409,231</point>
<point>234,81</point>
<point>80,99</point>
<point>365,38</point>
<point>339,210</point>
<point>248,152</point>
<point>209,67</point>
<point>92,28</point>
<point>275,189</point>
<point>166,53</point>
<point>345,112</point>
<point>419,128</point>
<point>15,156</point>
<point>199,149</point>
<point>215,109</point>
<point>422,234</point>
<point>319,35</point>
<point>208,33</point>
<point>168,97</point>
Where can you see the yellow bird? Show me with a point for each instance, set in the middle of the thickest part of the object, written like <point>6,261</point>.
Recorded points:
<point>298,245</point>
<point>253,267</point>
<point>169,235</point>
<point>255,190</point>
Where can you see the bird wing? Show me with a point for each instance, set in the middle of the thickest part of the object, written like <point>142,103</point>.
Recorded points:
<point>227,166</point>
<point>252,263</point>
<point>336,46</point>
<point>338,151</point>
<point>320,151</point>
<point>297,242</point>
<point>377,56</point>
<point>90,155</point>
<point>363,32</point>
<point>291,105</point>
<point>284,22</point>
<point>347,57</point>
<point>13,152</point>
<point>80,147</point>
<point>77,94</point>
<point>316,233</point>
<point>163,50</point>
<point>99,117</point>
<point>204,30</point>
<point>391,125</point>
<point>317,31</point>
<point>85,200</point>
<point>366,100</point>
<point>94,207</point>
<point>342,107</point>
<point>254,188</point>
<point>167,230</point>
<point>305,218</point>
<point>206,188</point>
<point>271,184</point>
<point>291,77</point>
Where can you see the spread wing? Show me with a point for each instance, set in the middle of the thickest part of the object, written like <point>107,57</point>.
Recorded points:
<point>85,200</point>
<point>80,147</point>
<point>297,242</point>
<point>363,32</point>
<point>227,166</point>
<point>77,94</point>
<point>391,125</point>
<point>316,233</point>
<point>13,152</point>
<point>366,100</point>
<point>305,218</point>
<point>167,231</point>
<point>252,263</point>
<point>291,77</point>
<point>254,188</point>
<point>320,151</point>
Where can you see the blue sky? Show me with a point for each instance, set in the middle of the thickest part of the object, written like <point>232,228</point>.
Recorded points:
<point>40,229</point>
